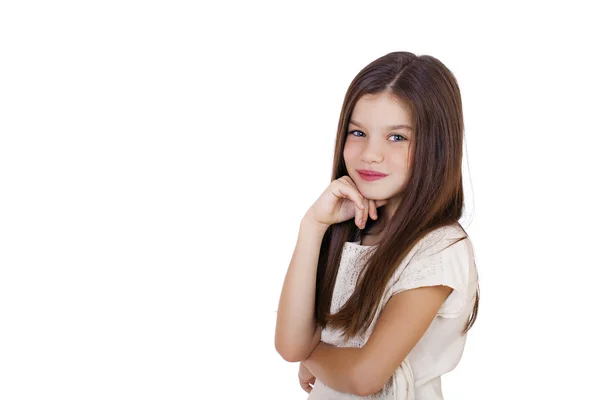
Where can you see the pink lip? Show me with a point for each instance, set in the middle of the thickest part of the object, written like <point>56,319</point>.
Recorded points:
<point>370,175</point>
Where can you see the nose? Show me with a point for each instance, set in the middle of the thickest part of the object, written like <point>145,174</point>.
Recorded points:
<point>372,153</point>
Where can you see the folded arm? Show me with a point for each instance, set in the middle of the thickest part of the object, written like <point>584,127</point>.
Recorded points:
<point>363,371</point>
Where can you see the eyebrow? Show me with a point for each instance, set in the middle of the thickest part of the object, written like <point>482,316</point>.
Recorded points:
<point>389,127</point>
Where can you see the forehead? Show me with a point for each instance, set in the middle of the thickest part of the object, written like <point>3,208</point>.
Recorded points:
<point>381,109</point>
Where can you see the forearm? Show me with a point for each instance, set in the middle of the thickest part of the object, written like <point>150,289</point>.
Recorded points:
<point>334,366</point>
<point>296,326</point>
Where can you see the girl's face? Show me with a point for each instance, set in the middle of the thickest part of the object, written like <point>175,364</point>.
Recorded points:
<point>375,141</point>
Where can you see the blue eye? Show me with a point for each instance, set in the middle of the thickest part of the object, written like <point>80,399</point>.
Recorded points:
<point>400,136</point>
<point>351,132</point>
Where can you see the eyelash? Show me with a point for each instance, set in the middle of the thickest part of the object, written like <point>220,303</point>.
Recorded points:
<point>356,130</point>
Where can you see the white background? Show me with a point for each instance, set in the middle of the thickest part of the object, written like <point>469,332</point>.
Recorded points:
<point>156,159</point>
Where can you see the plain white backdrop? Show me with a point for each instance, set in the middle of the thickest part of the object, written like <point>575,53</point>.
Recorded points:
<point>156,159</point>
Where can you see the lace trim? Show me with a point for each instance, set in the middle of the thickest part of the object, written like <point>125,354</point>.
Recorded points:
<point>352,263</point>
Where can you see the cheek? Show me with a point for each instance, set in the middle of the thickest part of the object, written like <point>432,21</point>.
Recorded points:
<point>402,163</point>
<point>349,152</point>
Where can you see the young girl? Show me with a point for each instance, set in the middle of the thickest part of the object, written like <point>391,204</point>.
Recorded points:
<point>382,286</point>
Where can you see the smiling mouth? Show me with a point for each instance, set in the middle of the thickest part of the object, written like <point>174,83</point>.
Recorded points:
<point>370,172</point>
<point>369,178</point>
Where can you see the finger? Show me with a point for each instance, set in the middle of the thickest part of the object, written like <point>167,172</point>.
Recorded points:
<point>365,211</point>
<point>307,388</point>
<point>349,181</point>
<point>347,191</point>
<point>343,189</point>
<point>372,209</point>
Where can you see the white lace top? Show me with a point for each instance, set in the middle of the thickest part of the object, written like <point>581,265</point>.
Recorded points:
<point>429,263</point>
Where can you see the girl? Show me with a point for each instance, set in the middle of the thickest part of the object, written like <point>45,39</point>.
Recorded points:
<point>382,286</point>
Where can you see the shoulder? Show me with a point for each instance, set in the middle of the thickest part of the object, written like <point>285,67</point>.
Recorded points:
<point>440,239</point>
<point>443,257</point>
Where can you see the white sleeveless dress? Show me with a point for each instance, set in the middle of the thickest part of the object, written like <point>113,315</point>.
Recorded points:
<point>429,263</point>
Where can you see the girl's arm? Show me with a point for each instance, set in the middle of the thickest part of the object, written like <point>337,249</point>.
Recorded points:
<point>364,371</point>
<point>296,333</point>
<point>335,366</point>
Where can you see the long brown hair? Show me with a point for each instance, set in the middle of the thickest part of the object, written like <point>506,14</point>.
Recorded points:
<point>433,196</point>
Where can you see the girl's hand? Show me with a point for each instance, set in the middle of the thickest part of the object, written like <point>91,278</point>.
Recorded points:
<point>341,201</point>
<point>306,378</point>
